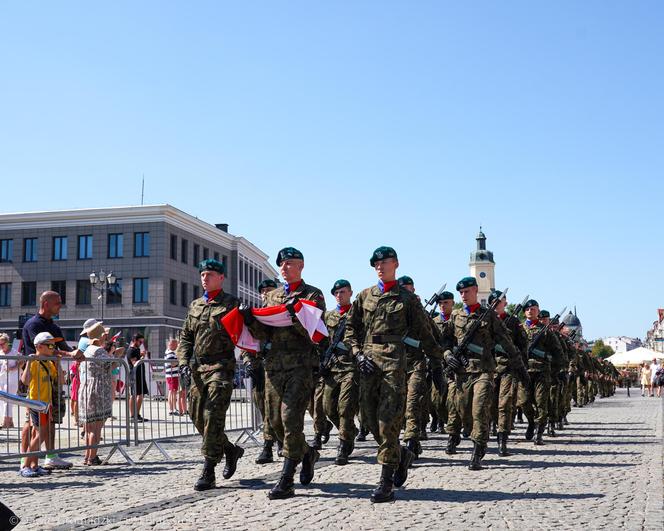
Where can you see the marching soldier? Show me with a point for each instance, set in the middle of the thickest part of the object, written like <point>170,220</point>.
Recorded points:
<point>206,359</point>
<point>341,392</point>
<point>380,318</point>
<point>474,382</point>
<point>558,377</point>
<point>255,370</point>
<point>289,368</point>
<point>442,406</point>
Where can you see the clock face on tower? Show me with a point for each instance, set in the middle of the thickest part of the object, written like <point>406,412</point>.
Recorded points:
<point>482,274</point>
<point>481,256</point>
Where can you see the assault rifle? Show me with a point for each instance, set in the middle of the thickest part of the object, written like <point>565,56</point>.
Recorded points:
<point>330,354</point>
<point>433,299</point>
<point>459,352</point>
<point>532,350</point>
<point>514,314</point>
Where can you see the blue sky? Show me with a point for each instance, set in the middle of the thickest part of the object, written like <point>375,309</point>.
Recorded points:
<point>337,127</point>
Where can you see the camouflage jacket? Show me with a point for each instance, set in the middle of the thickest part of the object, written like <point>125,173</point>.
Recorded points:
<point>519,340</point>
<point>204,342</point>
<point>378,323</point>
<point>444,329</point>
<point>487,338</point>
<point>546,351</point>
<point>291,346</point>
<point>562,363</point>
<point>345,361</point>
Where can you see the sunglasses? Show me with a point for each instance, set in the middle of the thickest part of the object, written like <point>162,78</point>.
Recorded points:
<point>49,346</point>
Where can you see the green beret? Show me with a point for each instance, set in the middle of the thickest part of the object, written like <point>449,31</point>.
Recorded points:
<point>530,303</point>
<point>543,314</point>
<point>267,283</point>
<point>405,281</point>
<point>288,253</point>
<point>466,282</point>
<point>210,264</point>
<point>382,253</point>
<point>445,296</point>
<point>341,283</point>
<point>494,295</point>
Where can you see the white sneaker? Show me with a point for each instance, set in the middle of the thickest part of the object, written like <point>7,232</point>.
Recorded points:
<point>56,463</point>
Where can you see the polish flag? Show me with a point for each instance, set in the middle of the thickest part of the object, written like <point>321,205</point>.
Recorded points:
<point>309,315</point>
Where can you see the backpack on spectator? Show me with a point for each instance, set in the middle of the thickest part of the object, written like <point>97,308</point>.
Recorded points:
<point>58,401</point>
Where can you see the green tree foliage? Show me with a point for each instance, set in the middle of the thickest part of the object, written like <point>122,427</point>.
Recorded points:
<point>602,351</point>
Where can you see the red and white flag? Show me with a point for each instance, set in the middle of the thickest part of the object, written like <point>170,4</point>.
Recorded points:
<point>309,315</point>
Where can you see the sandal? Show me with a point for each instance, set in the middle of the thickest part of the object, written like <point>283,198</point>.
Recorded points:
<point>95,461</point>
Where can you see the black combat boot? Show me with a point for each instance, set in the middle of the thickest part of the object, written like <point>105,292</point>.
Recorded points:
<point>565,421</point>
<point>434,424</point>
<point>233,452</point>
<point>406,459</point>
<point>551,429</point>
<point>530,430</point>
<point>494,429</point>
<point>559,425</point>
<point>424,436</point>
<point>284,487</point>
<point>280,448</point>
<point>502,445</point>
<point>414,446</point>
<point>207,479</point>
<point>343,452</point>
<point>308,461</point>
<point>266,454</point>
<point>385,490</point>
<point>317,442</point>
<point>466,433</point>
<point>326,433</point>
<point>453,441</point>
<point>540,432</point>
<point>476,459</point>
<point>362,434</point>
<point>519,415</point>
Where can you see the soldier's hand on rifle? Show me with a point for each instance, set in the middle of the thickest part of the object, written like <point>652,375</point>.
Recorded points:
<point>185,374</point>
<point>437,379</point>
<point>452,361</point>
<point>365,364</point>
<point>247,314</point>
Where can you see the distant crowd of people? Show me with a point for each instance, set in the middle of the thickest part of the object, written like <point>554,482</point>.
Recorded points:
<point>652,378</point>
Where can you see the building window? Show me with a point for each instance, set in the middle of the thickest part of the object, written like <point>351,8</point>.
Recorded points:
<point>5,294</point>
<point>29,294</point>
<point>114,292</point>
<point>174,247</point>
<point>6,250</point>
<point>140,290</point>
<point>30,250</point>
<point>206,253</point>
<point>246,272</point>
<point>173,292</point>
<point>59,248</point>
<point>224,260</point>
<point>216,256</point>
<point>196,292</point>
<point>141,244</point>
<point>183,294</point>
<point>115,245</point>
<point>60,287</point>
<point>85,247</point>
<point>83,292</point>
<point>241,271</point>
<point>184,252</point>
<point>197,253</point>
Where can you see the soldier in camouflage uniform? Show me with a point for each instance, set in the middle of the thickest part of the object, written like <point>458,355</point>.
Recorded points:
<point>341,393</point>
<point>474,382</point>
<point>558,375</point>
<point>206,358</point>
<point>416,382</point>
<point>442,405</point>
<point>288,371</point>
<point>254,369</point>
<point>505,381</point>
<point>380,318</point>
<point>535,397</point>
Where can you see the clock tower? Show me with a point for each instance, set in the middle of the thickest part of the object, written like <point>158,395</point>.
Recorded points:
<point>482,268</point>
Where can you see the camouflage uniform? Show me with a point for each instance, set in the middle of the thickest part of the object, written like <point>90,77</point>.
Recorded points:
<point>445,403</point>
<point>208,349</point>
<point>341,393</point>
<point>288,370</point>
<point>377,323</point>
<point>558,378</point>
<point>258,388</point>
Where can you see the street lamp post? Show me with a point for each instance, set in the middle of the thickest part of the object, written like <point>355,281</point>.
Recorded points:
<point>101,282</point>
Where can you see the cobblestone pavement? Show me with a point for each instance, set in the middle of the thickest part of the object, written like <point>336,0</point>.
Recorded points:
<point>603,472</point>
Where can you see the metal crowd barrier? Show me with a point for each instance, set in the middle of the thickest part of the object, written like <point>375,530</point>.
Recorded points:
<point>67,436</point>
<point>159,424</point>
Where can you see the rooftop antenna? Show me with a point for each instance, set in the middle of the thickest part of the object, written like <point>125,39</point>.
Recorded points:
<point>142,189</point>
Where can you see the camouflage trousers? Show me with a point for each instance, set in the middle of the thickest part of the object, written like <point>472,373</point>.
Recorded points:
<point>287,394</point>
<point>438,403</point>
<point>315,408</point>
<point>341,402</point>
<point>474,394</point>
<point>382,405</point>
<point>534,398</point>
<point>502,410</point>
<point>258,397</point>
<point>209,398</point>
<point>554,400</point>
<point>416,390</point>
<point>456,422</point>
